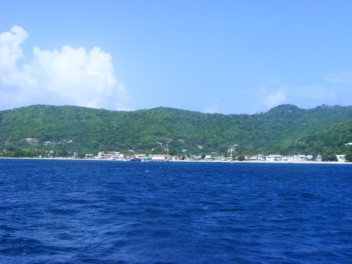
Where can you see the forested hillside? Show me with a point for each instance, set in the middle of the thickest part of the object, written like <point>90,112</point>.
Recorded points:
<point>285,129</point>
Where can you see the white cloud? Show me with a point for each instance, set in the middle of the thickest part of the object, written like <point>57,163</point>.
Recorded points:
<point>212,109</point>
<point>276,98</point>
<point>269,98</point>
<point>66,76</point>
<point>334,89</point>
<point>10,53</point>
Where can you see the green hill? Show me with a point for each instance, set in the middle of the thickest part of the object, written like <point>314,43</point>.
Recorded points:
<point>330,141</point>
<point>65,129</point>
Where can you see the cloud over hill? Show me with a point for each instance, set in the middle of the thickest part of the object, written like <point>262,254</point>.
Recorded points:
<point>60,76</point>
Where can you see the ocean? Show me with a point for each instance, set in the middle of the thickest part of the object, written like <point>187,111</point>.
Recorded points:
<point>71,211</point>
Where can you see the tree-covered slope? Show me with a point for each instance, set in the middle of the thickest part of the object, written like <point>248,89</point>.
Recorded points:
<point>284,125</point>
<point>87,130</point>
<point>332,140</point>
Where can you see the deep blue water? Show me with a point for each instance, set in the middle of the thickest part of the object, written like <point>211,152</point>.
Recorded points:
<point>55,211</point>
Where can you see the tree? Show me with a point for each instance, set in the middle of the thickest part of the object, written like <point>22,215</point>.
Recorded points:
<point>240,158</point>
<point>329,157</point>
<point>348,155</point>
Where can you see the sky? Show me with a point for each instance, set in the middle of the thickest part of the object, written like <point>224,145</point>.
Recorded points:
<point>226,56</point>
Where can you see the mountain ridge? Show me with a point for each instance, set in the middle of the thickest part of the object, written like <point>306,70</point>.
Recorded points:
<point>278,130</point>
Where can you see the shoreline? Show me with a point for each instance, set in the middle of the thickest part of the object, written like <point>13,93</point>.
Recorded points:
<point>192,161</point>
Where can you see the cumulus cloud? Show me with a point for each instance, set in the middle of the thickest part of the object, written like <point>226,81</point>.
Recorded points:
<point>10,53</point>
<point>276,98</point>
<point>60,76</point>
<point>270,97</point>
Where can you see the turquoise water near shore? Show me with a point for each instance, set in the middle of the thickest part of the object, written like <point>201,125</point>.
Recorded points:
<point>59,211</point>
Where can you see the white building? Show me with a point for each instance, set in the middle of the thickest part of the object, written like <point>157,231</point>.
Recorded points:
<point>274,157</point>
<point>208,157</point>
<point>161,157</point>
<point>341,158</point>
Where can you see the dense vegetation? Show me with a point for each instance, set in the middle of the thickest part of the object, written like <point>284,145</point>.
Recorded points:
<point>285,129</point>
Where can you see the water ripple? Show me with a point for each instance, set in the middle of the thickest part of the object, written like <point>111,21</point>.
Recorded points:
<point>112,212</point>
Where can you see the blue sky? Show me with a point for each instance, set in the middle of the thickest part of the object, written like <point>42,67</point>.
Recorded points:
<point>208,56</point>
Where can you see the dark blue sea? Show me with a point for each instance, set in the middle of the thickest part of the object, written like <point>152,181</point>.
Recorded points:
<point>61,211</point>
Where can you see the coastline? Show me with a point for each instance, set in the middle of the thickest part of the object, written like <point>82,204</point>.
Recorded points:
<point>192,161</point>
